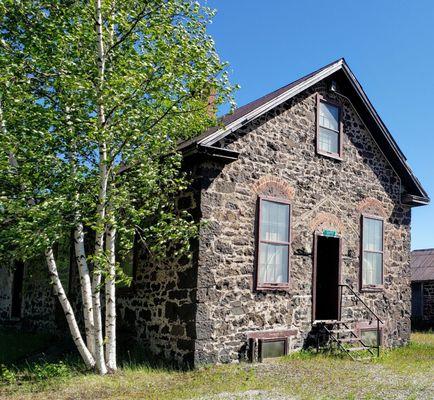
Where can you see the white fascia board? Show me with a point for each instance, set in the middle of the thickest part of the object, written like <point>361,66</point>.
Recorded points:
<point>221,133</point>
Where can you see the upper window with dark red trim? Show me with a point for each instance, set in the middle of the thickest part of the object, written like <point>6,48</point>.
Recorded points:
<point>372,251</point>
<point>329,128</point>
<point>273,243</point>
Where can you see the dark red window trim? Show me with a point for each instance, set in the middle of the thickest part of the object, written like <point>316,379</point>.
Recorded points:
<point>257,338</point>
<point>337,156</point>
<point>371,287</point>
<point>271,285</point>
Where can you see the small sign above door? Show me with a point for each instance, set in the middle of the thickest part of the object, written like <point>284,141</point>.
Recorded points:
<point>329,233</point>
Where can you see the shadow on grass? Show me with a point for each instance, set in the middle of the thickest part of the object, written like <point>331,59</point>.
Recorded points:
<point>36,357</point>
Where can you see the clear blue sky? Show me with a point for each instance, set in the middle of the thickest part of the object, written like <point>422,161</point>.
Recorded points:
<point>388,44</point>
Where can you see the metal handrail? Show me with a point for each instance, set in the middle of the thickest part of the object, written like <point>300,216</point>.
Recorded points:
<point>367,307</point>
<point>360,299</point>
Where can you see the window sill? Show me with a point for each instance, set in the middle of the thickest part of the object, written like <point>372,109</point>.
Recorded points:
<point>333,156</point>
<point>368,289</point>
<point>273,288</point>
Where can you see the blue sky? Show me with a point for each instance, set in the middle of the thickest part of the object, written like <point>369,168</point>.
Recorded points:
<point>388,44</point>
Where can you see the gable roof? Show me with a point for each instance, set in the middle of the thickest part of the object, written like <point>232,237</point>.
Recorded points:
<point>422,265</point>
<point>415,194</point>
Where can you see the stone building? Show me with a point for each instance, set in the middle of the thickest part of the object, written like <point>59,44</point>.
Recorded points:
<point>304,201</point>
<point>422,288</point>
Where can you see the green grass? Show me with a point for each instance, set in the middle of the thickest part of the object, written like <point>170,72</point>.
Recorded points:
<point>403,373</point>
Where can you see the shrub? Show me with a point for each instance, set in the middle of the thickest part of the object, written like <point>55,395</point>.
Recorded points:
<point>6,375</point>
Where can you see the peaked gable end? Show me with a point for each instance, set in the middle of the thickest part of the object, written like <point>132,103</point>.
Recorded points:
<point>415,195</point>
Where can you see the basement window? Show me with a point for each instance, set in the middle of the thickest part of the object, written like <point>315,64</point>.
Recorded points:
<point>269,344</point>
<point>370,338</point>
<point>329,129</point>
<point>272,348</point>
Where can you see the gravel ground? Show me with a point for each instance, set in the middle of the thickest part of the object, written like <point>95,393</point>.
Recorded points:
<point>248,395</point>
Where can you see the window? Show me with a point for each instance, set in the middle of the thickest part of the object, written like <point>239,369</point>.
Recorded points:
<point>370,337</point>
<point>269,344</point>
<point>372,251</point>
<point>274,241</point>
<point>271,348</point>
<point>328,129</point>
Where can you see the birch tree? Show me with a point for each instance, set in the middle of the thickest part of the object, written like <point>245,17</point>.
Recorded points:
<point>89,90</point>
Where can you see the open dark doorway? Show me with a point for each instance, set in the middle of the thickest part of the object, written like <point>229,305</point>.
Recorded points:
<point>17,290</point>
<point>326,278</point>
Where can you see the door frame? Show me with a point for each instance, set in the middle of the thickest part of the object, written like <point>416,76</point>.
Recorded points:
<point>314,271</point>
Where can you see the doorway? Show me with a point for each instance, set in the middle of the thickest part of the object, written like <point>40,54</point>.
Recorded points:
<point>326,277</point>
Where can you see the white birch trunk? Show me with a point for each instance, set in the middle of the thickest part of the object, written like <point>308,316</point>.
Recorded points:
<point>99,239</point>
<point>80,254</point>
<point>67,309</point>
<point>86,287</point>
<point>110,301</point>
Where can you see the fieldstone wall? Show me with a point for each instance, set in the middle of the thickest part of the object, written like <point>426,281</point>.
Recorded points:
<point>38,305</point>
<point>277,154</point>
<point>38,310</point>
<point>159,310</point>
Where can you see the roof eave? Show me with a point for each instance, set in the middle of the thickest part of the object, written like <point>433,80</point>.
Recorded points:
<point>196,150</point>
<point>415,201</point>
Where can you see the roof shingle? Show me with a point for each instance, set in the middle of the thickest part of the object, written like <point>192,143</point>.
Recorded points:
<point>422,265</point>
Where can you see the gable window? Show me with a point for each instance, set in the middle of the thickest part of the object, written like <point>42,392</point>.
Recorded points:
<point>329,129</point>
<point>273,244</point>
<point>372,251</point>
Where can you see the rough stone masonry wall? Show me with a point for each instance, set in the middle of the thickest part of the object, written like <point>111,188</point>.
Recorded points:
<point>277,153</point>
<point>158,311</point>
<point>38,300</point>
<point>38,310</point>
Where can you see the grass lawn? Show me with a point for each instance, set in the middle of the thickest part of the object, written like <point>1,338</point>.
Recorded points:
<point>404,373</point>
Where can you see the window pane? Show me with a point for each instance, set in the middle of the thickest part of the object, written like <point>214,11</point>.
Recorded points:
<point>372,268</point>
<point>274,221</point>
<point>329,116</point>
<point>273,263</point>
<point>273,349</point>
<point>328,141</point>
<point>372,234</point>
<point>369,338</point>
